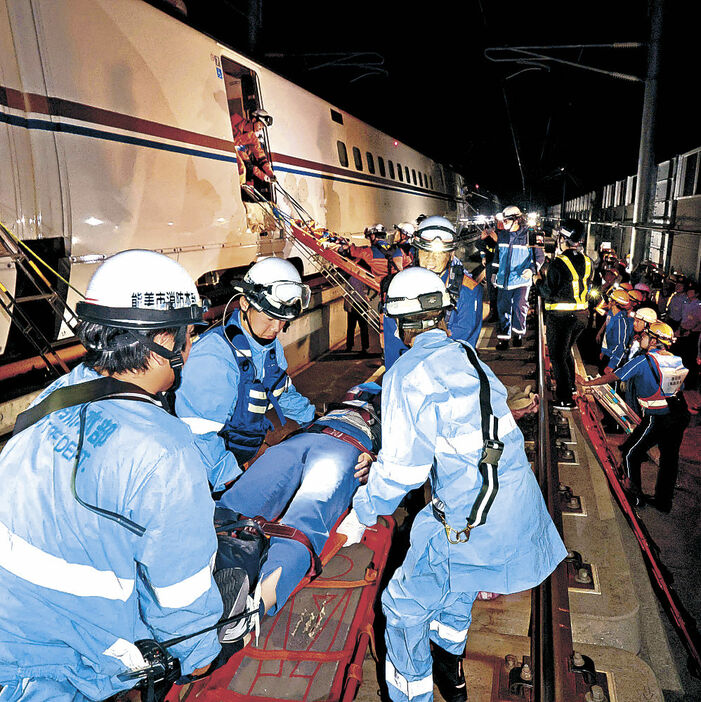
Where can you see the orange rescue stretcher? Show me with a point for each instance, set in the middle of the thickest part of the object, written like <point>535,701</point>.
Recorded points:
<point>313,648</point>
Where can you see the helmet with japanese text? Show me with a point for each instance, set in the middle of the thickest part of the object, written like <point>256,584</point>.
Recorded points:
<point>138,292</point>
<point>572,230</point>
<point>273,286</point>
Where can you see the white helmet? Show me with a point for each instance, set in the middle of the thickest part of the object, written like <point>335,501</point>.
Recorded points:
<point>406,227</point>
<point>414,291</point>
<point>263,116</point>
<point>274,286</point>
<point>512,212</point>
<point>435,234</point>
<point>646,314</point>
<point>141,290</point>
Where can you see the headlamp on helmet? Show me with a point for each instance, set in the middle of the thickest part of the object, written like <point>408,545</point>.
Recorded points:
<point>414,292</point>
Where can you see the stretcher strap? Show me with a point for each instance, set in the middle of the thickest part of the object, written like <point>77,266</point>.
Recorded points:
<point>284,531</point>
<point>317,429</point>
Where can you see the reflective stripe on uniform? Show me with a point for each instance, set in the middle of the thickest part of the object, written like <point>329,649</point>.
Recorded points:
<point>127,654</point>
<point>447,633</point>
<point>405,475</point>
<point>258,395</point>
<point>186,591</point>
<point>579,292</point>
<point>258,409</point>
<point>651,404</point>
<point>30,563</point>
<point>412,689</point>
<point>200,425</point>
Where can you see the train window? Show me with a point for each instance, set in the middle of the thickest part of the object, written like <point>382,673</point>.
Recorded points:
<point>399,172</point>
<point>406,173</point>
<point>391,169</point>
<point>421,180</point>
<point>358,159</point>
<point>431,179</point>
<point>342,154</point>
<point>371,161</point>
<point>336,116</point>
<point>381,164</point>
<point>690,174</point>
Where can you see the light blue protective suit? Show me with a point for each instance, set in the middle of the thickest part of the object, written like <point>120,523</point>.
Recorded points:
<point>432,428</point>
<point>79,589</point>
<point>209,390</point>
<point>313,473</point>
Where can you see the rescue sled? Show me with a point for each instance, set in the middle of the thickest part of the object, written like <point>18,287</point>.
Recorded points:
<point>313,648</point>
<point>325,244</point>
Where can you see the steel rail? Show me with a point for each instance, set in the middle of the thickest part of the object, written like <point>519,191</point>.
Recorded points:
<point>551,628</point>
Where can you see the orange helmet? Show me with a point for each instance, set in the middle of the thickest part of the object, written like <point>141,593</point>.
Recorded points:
<point>620,297</point>
<point>662,332</point>
<point>626,286</point>
<point>636,296</point>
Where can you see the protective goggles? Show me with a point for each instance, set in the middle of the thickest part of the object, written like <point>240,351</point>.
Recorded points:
<point>286,298</point>
<point>401,306</point>
<point>435,240</point>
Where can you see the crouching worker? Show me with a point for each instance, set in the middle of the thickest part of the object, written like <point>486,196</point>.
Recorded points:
<point>307,481</point>
<point>93,564</point>
<point>237,372</point>
<point>445,418</point>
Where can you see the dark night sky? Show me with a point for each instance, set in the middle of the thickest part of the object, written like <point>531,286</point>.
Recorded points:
<point>443,97</point>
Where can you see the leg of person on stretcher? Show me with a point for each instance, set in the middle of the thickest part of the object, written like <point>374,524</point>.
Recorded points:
<point>308,481</point>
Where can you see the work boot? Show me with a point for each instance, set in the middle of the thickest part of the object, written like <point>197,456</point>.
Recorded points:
<point>448,675</point>
<point>502,344</point>
<point>518,342</point>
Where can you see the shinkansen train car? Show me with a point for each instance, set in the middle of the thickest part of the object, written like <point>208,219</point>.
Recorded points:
<point>115,133</point>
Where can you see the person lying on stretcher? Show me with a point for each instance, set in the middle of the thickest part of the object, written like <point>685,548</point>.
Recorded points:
<point>307,482</point>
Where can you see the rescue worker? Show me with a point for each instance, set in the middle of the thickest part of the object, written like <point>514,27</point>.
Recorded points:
<point>616,330</point>
<point>379,254</point>
<point>252,160</point>
<point>658,378</point>
<point>434,242</point>
<point>445,418</point>
<point>646,291</point>
<point>307,480</point>
<point>404,233</point>
<point>237,372</point>
<point>486,245</point>
<point>517,260</point>
<point>566,292</point>
<point>642,319</point>
<point>92,559</point>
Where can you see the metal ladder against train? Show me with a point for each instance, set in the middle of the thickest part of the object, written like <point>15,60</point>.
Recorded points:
<point>12,305</point>
<point>331,274</point>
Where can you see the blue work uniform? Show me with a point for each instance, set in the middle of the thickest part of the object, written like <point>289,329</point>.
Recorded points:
<point>653,378</point>
<point>432,429</point>
<point>78,588</point>
<point>514,255</point>
<point>464,321</point>
<point>619,330</point>
<point>227,387</point>
<point>307,480</point>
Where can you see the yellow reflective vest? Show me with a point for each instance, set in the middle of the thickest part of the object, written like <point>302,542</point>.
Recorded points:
<point>580,288</point>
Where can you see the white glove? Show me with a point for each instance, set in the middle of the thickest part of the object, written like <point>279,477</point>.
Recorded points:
<point>527,274</point>
<point>351,528</point>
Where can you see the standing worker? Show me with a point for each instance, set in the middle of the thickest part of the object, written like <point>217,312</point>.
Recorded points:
<point>517,260</point>
<point>566,292</point>
<point>434,241</point>
<point>657,376</point>
<point>445,418</point>
<point>92,559</point>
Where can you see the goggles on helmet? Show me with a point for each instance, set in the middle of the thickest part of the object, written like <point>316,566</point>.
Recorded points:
<point>435,239</point>
<point>401,306</point>
<point>283,299</point>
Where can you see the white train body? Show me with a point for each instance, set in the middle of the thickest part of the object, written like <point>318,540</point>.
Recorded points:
<point>115,133</point>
